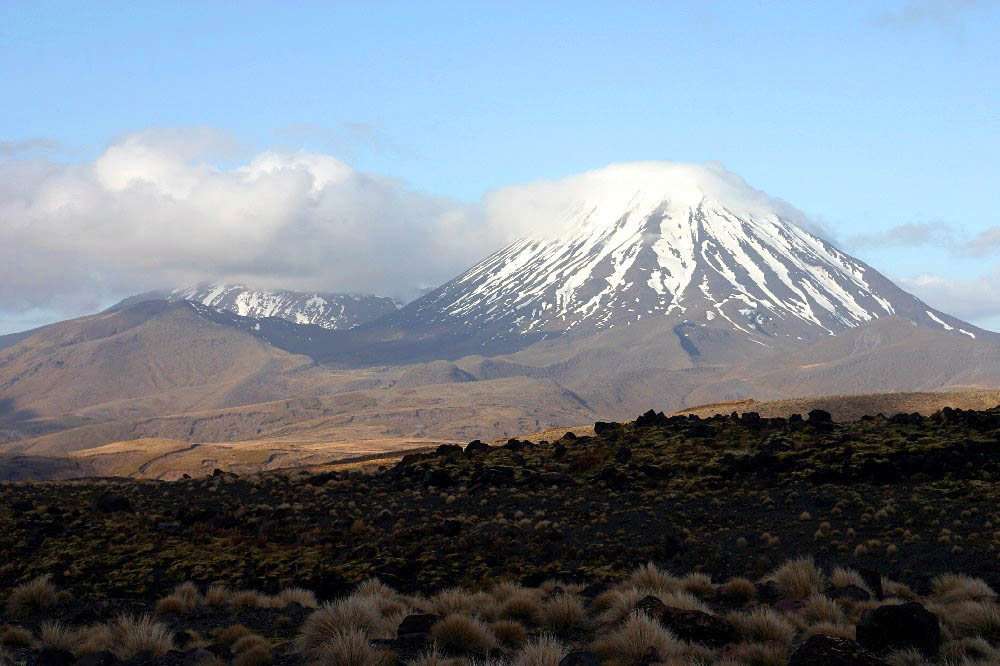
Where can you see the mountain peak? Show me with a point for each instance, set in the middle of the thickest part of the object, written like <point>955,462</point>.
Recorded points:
<point>685,244</point>
<point>327,310</point>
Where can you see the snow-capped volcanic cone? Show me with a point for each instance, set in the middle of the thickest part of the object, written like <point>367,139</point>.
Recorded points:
<point>685,244</point>
<point>331,311</point>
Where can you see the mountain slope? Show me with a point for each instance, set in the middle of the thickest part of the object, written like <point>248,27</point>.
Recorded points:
<point>330,311</point>
<point>681,244</point>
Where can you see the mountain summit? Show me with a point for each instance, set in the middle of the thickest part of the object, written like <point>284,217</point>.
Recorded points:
<point>685,244</point>
<point>330,311</point>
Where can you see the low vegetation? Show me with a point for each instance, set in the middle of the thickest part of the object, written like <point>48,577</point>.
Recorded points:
<point>665,540</point>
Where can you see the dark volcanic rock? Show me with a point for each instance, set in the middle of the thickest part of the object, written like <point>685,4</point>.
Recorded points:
<point>651,606</point>
<point>102,658</point>
<point>580,658</point>
<point>419,623</point>
<point>475,446</point>
<point>832,651</point>
<point>111,503</point>
<point>54,657</point>
<point>698,627</point>
<point>900,626</point>
<point>852,592</point>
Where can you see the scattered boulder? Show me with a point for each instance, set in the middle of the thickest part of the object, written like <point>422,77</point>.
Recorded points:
<point>852,592</point>
<point>418,623</point>
<point>594,590</point>
<point>651,606</point>
<point>448,449</point>
<point>900,626</point>
<point>789,605</point>
<point>873,579</point>
<point>451,527</point>
<point>820,416</point>
<point>580,658</point>
<point>51,656</point>
<point>439,478</point>
<point>476,446</point>
<point>112,503</point>
<point>199,656</point>
<point>832,651</point>
<point>698,627</point>
<point>102,658</point>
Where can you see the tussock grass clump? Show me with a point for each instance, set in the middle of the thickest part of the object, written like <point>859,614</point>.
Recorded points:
<point>634,641</point>
<point>32,597</point>
<point>829,629</point>
<point>259,655</point>
<point>435,658</point>
<point>345,615</point>
<point>249,642</point>
<point>172,605</point>
<point>650,577</point>
<point>189,593</point>
<point>951,588</point>
<point>684,601</point>
<point>350,647</point>
<point>57,635</point>
<point>797,578</point>
<point>563,614</point>
<point>301,596</point>
<point>510,633</point>
<point>973,618</point>
<point>761,654</point>
<point>454,600</point>
<point>842,577</point>
<point>522,606</point>
<point>738,589</point>
<point>545,651</point>
<point>698,584</point>
<point>762,625</point>
<point>218,595</point>
<point>819,609</point>
<point>231,634</point>
<point>249,599</point>
<point>16,637</point>
<point>463,634</point>
<point>132,635</point>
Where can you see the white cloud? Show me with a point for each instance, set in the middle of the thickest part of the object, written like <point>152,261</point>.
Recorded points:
<point>976,300</point>
<point>152,211</point>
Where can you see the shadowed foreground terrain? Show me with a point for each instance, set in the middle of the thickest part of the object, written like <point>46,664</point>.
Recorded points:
<point>894,502</point>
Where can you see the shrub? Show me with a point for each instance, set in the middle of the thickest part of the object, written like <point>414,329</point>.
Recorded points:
<point>632,642</point>
<point>762,624</point>
<point>563,614</point>
<point>738,589</point>
<point>545,651</point>
<point>132,635</point>
<point>31,597</point>
<point>462,634</point>
<point>797,578</point>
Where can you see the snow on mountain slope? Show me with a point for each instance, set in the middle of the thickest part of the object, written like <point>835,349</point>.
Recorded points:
<point>689,244</point>
<point>331,311</point>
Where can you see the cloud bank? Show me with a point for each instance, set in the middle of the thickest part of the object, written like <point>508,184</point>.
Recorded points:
<point>170,208</point>
<point>153,211</point>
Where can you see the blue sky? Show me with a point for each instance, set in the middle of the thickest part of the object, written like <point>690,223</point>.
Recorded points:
<point>881,120</point>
